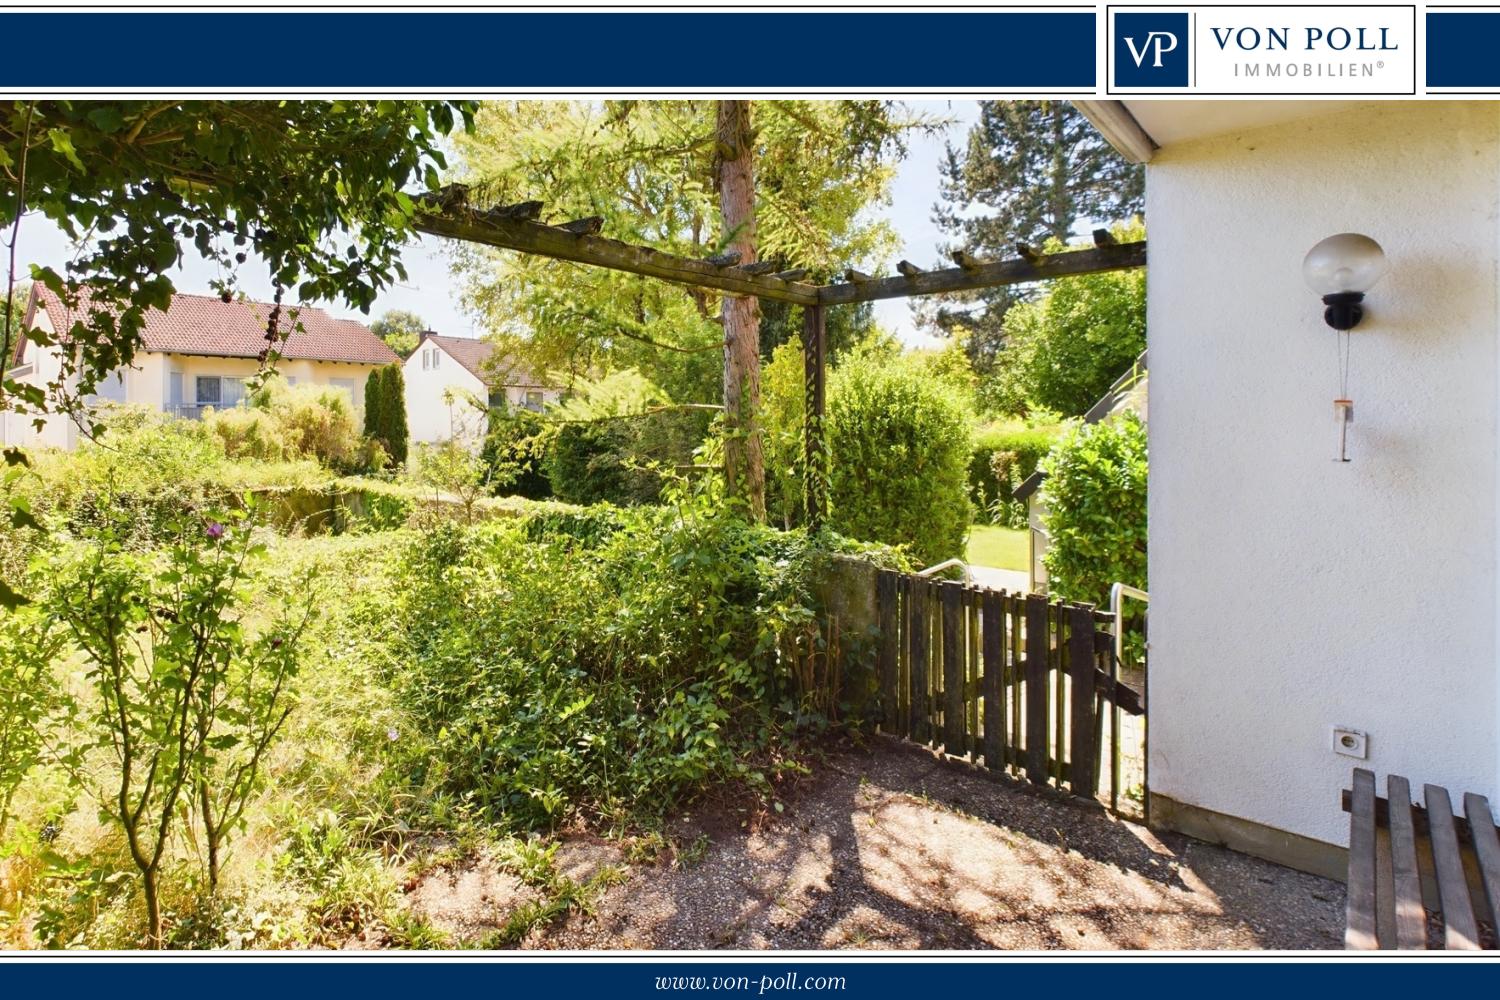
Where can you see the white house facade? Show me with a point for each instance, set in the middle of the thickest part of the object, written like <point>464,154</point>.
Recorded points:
<point>197,354</point>
<point>1292,593</point>
<point>452,383</point>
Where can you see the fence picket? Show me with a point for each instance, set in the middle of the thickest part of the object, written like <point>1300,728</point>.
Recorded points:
<point>953,668</point>
<point>1015,681</point>
<point>920,724</point>
<point>886,608</point>
<point>1082,754</point>
<point>992,632</point>
<point>1037,636</point>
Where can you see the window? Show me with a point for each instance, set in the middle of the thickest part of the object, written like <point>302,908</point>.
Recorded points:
<point>210,389</point>
<point>218,390</point>
<point>349,385</point>
<point>435,355</point>
<point>533,399</point>
<point>497,399</point>
<point>425,365</point>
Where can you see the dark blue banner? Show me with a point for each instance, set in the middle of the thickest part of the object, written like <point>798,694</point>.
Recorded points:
<point>964,51</point>
<point>235,979</point>
<point>1461,49</point>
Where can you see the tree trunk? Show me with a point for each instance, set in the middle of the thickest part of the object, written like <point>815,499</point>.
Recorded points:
<point>153,909</point>
<point>210,836</point>
<point>744,465</point>
<point>1062,207</point>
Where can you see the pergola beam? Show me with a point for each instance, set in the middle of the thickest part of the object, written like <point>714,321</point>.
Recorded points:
<point>1015,271</point>
<point>583,248</point>
<point>512,228</point>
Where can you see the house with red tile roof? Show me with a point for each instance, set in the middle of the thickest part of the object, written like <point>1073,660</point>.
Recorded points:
<point>196,354</point>
<point>452,382</point>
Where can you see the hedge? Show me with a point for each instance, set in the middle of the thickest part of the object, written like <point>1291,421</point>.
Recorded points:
<point>898,443</point>
<point>1002,457</point>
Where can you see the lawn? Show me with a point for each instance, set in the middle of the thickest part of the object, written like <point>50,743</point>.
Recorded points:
<point>1002,548</point>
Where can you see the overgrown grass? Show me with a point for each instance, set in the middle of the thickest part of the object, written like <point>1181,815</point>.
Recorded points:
<point>465,688</point>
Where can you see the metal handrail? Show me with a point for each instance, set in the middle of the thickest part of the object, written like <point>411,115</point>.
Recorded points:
<point>946,564</point>
<point>1117,594</point>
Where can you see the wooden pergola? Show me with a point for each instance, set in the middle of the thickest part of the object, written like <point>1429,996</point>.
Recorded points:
<point>449,214</point>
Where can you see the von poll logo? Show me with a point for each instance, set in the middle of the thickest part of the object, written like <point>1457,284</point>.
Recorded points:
<point>1151,50</point>
<point>1264,49</point>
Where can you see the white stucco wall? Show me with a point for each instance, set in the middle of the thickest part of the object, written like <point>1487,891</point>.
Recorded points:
<point>40,366</point>
<point>1289,592</point>
<point>429,416</point>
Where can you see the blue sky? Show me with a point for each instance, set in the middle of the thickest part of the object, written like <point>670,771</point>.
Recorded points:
<point>430,291</point>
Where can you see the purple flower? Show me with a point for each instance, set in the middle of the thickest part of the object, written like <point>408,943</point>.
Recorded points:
<point>215,530</point>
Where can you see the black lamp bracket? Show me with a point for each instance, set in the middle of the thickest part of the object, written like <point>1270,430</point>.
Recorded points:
<point>1344,310</point>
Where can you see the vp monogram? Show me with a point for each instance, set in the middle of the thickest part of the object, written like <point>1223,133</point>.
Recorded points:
<point>1157,44</point>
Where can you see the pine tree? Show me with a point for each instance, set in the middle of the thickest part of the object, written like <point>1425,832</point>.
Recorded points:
<point>1030,171</point>
<point>393,413</point>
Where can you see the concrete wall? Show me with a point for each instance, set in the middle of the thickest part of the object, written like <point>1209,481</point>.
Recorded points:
<point>1291,593</point>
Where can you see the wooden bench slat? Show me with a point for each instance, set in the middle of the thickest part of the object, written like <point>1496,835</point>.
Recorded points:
<point>1406,881</point>
<point>1359,928</point>
<point>1486,849</point>
<point>1460,931</point>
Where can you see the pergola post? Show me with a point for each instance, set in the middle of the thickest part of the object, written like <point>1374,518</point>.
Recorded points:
<point>814,449</point>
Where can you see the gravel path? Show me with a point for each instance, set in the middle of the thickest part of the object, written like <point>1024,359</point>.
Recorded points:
<point>887,847</point>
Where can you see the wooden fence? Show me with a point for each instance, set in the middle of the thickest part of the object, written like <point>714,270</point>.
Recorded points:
<point>1017,682</point>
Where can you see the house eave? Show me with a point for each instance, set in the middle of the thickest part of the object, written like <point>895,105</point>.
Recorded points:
<point>1120,129</point>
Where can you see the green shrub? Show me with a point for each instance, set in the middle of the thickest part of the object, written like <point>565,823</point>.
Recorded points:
<point>549,675</point>
<point>519,440</point>
<point>248,432</point>
<point>783,398</point>
<point>1065,348</point>
<point>623,460</point>
<point>1003,455</point>
<point>585,464</point>
<point>155,470</point>
<point>1096,509</point>
<point>187,693</point>
<point>280,421</point>
<point>899,450</point>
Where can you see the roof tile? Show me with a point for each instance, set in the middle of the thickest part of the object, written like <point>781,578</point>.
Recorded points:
<point>207,325</point>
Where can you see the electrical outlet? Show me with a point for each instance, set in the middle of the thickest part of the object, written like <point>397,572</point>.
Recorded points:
<point>1351,742</point>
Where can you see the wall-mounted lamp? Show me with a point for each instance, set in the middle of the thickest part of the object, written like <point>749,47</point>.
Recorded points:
<point>1341,269</point>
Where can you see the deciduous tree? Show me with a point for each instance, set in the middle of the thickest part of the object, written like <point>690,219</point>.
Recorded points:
<point>650,169</point>
<point>317,191</point>
<point>400,330</point>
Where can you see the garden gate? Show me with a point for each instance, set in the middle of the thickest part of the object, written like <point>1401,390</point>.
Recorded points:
<point>1015,680</point>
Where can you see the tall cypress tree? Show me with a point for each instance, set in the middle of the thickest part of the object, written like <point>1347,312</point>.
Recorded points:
<point>393,413</point>
<point>1029,171</point>
<point>374,400</point>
